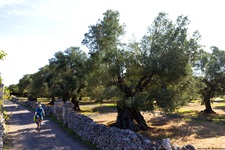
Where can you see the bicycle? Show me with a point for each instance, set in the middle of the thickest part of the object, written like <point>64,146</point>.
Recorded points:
<point>38,121</point>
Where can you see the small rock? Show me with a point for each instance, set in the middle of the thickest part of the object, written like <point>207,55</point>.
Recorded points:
<point>188,147</point>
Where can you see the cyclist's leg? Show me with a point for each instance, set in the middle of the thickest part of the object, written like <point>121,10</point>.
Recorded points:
<point>36,121</point>
<point>39,120</point>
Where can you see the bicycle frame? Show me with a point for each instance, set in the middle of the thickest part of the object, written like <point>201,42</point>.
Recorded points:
<point>38,121</point>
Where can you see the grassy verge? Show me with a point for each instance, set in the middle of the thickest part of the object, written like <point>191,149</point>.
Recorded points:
<point>6,144</point>
<point>189,115</point>
<point>74,134</point>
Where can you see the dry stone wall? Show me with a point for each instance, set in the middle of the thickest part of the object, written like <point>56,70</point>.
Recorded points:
<point>2,129</point>
<point>105,138</point>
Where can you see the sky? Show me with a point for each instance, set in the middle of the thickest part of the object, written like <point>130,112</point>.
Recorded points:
<point>32,31</point>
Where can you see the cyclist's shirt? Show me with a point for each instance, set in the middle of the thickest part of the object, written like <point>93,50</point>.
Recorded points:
<point>39,111</point>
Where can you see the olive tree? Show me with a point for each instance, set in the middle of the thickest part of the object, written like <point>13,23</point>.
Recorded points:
<point>68,74</point>
<point>212,76</point>
<point>140,73</point>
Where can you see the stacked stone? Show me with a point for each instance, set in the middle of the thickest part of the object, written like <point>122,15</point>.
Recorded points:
<point>104,137</point>
<point>67,107</point>
<point>48,110</point>
<point>31,104</point>
<point>2,129</point>
<point>58,110</point>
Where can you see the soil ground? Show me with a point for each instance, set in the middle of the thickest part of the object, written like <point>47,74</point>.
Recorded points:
<point>187,126</point>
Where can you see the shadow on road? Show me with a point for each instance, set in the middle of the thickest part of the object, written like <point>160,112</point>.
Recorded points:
<point>22,133</point>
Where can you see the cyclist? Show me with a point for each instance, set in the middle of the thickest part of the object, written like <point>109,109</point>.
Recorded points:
<point>39,113</point>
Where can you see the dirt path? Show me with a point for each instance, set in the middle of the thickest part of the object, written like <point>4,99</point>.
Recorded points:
<point>22,135</point>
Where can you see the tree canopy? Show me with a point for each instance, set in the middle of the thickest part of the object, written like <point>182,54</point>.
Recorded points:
<point>142,72</point>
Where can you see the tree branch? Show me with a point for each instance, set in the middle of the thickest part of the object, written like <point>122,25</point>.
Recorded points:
<point>143,82</point>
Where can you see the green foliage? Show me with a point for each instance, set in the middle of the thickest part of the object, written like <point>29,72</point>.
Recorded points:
<point>14,89</point>
<point>0,79</point>
<point>7,93</point>
<point>156,69</point>
<point>39,87</point>
<point>24,85</point>
<point>155,72</point>
<point>67,72</point>
<point>211,78</point>
<point>2,55</point>
<point>103,40</point>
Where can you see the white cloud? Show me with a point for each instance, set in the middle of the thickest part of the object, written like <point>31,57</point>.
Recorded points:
<point>4,3</point>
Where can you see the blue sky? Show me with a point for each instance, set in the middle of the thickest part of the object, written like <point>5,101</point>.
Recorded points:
<point>32,31</point>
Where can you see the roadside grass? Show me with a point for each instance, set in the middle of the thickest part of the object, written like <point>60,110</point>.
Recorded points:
<point>1,102</point>
<point>181,114</point>
<point>98,108</point>
<point>22,98</point>
<point>6,144</point>
<point>87,110</point>
<point>197,115</point>
<point>44,101</point>
<point>74,134</point>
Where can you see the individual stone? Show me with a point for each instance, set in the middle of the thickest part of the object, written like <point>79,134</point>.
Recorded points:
<point>188,147</point>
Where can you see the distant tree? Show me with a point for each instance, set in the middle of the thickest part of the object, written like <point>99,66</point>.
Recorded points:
<point>39,86</point>
<point>14,89</point>
<point>144,72</point>
<point>51,78</point>
<point>212,76</point>
<point>24,86</point>
<point>69,74</point>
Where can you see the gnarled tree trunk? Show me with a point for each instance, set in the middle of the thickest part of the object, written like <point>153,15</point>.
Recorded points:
<point>32,98</point>
<point>130,118</point>
<point>208,108</point>
<point>208,93</point>
<point>76,103</point>
<point>66,96</point>
<point>52,101</point>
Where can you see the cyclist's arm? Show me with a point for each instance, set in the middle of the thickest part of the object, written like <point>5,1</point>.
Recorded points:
<point>43,111</point>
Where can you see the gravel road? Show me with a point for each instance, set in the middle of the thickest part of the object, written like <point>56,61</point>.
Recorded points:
<point>22,135</point>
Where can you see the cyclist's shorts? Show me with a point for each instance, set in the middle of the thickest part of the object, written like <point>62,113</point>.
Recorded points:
<point>37,116</point>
